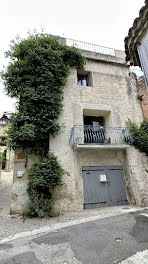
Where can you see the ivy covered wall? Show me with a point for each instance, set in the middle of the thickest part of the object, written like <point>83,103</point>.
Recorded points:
<point>36,75</point>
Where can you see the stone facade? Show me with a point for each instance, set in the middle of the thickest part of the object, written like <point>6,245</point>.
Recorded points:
<point>136,177</point>
<point>9,153</point>
<point>22,161</point>
<point>144,93</point>
<point>112,93</point>
<point>9,160</point>
<point>2,131</point>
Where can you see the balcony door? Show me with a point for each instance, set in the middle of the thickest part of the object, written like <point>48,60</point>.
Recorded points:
<point>94,131</point>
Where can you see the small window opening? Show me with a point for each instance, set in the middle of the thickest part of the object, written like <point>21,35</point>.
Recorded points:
<point>83,79</point>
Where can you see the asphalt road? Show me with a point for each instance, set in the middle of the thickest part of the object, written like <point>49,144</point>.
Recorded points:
<point>106,241</point>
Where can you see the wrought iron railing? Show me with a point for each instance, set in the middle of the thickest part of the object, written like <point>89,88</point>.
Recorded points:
<point>90,47</point>
<point>103,135</point>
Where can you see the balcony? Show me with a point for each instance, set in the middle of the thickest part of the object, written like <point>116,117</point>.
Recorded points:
<point>90,47</point>
<point>83,137</point>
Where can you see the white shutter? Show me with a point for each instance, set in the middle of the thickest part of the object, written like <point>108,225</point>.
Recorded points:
<point>143,55</point>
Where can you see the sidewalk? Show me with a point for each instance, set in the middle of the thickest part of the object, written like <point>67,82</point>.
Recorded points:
<point>9,225</point>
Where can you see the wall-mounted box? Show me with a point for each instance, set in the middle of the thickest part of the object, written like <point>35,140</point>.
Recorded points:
<point>21,155</point>
<point>103,178</point>
<point>20,174</point>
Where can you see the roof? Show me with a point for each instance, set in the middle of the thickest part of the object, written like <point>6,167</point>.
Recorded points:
<point>138,26</point>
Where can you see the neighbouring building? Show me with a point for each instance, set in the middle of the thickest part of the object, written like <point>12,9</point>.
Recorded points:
<point>9,165</point>
<point>143,93</point>
<point>136,43</point>
<point>3,128</point>
<point>94,145</point>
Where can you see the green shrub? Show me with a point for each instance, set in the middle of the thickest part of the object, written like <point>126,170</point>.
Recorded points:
<point>140,135</point>
<point>44,176</point>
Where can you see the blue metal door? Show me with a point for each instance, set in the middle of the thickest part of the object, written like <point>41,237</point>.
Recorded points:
<point>116,185</point>
<point>103,185</point>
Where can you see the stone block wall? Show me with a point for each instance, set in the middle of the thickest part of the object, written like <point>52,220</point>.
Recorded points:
<point>113,94</point>
<point>144,93</point>
<point>22,162</point>
<point>136,177</point>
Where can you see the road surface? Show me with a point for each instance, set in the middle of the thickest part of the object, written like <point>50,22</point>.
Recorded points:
<point>109,240</point>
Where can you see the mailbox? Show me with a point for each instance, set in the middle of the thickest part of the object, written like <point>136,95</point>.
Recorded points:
<point>103,178</point>
<point>20,174</point>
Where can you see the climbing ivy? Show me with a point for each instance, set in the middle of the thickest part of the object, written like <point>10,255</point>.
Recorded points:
<point>36,76</point>
<point>43,177</point>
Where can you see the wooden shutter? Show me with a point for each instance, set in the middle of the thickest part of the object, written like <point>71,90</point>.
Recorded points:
<point>143,55</point>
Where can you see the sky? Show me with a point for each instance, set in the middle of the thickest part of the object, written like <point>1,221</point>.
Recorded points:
<point>102,22</point>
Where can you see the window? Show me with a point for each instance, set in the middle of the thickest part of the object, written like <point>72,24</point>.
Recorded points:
<point>84,79</point>
<point>143,55</point>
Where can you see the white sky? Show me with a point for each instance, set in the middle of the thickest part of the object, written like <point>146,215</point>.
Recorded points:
<point>103,22</point>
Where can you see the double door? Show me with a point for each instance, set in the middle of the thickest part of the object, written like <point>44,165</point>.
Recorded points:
<point>103,185</point>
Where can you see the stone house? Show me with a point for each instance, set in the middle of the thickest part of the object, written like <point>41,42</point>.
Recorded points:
<point>9,166</point>
<point>136,43</point>
<point>3,128</point>
<point>9,153</point>
<point>94,145</point>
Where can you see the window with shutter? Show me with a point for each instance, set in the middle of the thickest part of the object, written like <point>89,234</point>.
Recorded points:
<point>143,55</point>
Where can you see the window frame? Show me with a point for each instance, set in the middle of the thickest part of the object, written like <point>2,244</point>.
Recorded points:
<point>84,76</point>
